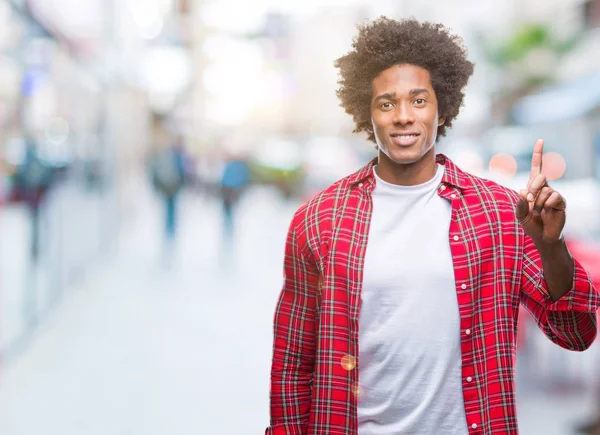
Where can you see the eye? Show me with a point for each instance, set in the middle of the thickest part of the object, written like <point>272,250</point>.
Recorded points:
<point>386,106</point>
<point>420,101</point>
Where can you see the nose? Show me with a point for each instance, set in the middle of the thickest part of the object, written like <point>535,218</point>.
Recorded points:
<point>404,114</point>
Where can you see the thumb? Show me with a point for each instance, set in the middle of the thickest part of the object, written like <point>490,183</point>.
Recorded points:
<point>522,209</point>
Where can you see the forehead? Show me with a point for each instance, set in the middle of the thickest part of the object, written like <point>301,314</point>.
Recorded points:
<point>401,79</point>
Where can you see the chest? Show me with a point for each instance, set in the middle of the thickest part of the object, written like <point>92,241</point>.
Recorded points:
<point>407,241</point>
<point>473,241</point>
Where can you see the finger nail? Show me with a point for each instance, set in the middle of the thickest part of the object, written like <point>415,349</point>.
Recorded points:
<point>530,197</point>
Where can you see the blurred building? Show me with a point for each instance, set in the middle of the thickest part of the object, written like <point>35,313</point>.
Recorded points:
<point>566,110</point>
<point>79,81</point>
<point>85,79</point>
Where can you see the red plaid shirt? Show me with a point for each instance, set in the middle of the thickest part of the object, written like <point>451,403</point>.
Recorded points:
<point>314,376</point>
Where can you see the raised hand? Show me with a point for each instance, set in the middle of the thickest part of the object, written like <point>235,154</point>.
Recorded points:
<point>541,210</point>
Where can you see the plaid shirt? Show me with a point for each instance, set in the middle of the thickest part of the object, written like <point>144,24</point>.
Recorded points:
<point>314,375</point>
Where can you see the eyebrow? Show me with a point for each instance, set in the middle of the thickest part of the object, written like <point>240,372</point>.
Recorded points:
<point>392,95</point>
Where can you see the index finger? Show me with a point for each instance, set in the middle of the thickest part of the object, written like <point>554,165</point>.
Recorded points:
<point>536,160</point>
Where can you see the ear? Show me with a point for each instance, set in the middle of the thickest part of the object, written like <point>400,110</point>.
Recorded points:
<point>441,121</point>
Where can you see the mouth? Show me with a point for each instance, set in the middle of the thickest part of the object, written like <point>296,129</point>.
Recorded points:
<point>405,139</point>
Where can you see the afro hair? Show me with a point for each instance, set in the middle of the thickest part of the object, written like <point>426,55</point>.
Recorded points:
<point>384,43</point>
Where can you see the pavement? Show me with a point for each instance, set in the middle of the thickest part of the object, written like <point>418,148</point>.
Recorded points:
<point>148,343</point>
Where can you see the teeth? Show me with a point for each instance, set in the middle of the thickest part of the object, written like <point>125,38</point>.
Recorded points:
<point>406,136</point>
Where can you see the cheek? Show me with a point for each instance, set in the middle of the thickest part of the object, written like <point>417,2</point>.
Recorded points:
<point>434,123</point>
<point>379,121</point>
<point>375,125</point>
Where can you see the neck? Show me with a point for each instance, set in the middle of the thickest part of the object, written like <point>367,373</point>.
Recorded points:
<point>408,174</point>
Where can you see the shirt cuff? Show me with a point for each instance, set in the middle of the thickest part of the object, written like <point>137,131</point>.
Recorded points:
<point>582,297</point>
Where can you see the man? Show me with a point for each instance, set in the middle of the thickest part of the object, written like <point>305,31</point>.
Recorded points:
<point>403,281</point>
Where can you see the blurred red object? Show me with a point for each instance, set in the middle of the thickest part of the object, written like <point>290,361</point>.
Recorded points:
<point>588,254</point>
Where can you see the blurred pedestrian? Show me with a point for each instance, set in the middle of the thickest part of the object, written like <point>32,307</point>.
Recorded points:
<point>234,180</point>
<point>167,167</point>
<point>33,179</point>
<point>403,281</point>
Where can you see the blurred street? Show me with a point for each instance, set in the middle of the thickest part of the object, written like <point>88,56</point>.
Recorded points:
<point>144,348</point>
<point>153,152</point>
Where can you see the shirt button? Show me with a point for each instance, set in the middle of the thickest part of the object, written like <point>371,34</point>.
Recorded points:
<point>456,238</point>
<point>464,286</point>
<point>469,379</point>
<point>360,185</point>
<point>453,196</point>
<point>468,332</point>
<point>443,187</point>
<point>474,425</point>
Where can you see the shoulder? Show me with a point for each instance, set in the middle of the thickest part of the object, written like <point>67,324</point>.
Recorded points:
<point>313,222</point>
<point>488,190</point>
<point>322,206</point>
<point>478,190</point>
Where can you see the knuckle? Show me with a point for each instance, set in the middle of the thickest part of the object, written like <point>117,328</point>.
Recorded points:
<point>525,219</point>
<point>540,179</point>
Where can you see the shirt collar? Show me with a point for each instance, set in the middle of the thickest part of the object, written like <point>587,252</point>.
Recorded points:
<point>453,175</point>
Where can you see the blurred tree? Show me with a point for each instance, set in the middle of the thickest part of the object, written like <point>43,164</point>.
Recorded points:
<point>527,60</point>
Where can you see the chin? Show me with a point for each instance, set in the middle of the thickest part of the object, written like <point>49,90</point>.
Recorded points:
<point>404,156</point>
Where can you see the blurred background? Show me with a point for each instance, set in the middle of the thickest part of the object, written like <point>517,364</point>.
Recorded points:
<point>154,151</point>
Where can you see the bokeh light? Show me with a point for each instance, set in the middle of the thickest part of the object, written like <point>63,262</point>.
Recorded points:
<point>503,164</point>
<point>348,362</point>
<point>553,166</point>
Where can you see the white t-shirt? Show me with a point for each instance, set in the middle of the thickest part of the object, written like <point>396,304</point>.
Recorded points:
<point>409,325</point>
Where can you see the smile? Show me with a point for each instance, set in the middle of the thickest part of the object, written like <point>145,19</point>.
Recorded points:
<point>404,139</point>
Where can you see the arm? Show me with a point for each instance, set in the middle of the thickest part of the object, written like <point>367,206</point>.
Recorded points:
<point>559,294</point>
<point>294,343</point>
<point>559,268</point>
<point>555,289</point>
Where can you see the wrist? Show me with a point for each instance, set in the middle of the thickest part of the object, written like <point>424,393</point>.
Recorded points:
<point>551,248</point>
<point>558,267</point>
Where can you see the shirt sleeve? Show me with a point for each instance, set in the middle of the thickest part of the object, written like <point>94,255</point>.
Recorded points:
<point>293,344</point>
<point>571,321</point>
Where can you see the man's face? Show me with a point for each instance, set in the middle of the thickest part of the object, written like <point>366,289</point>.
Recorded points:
<point>404,113</point>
